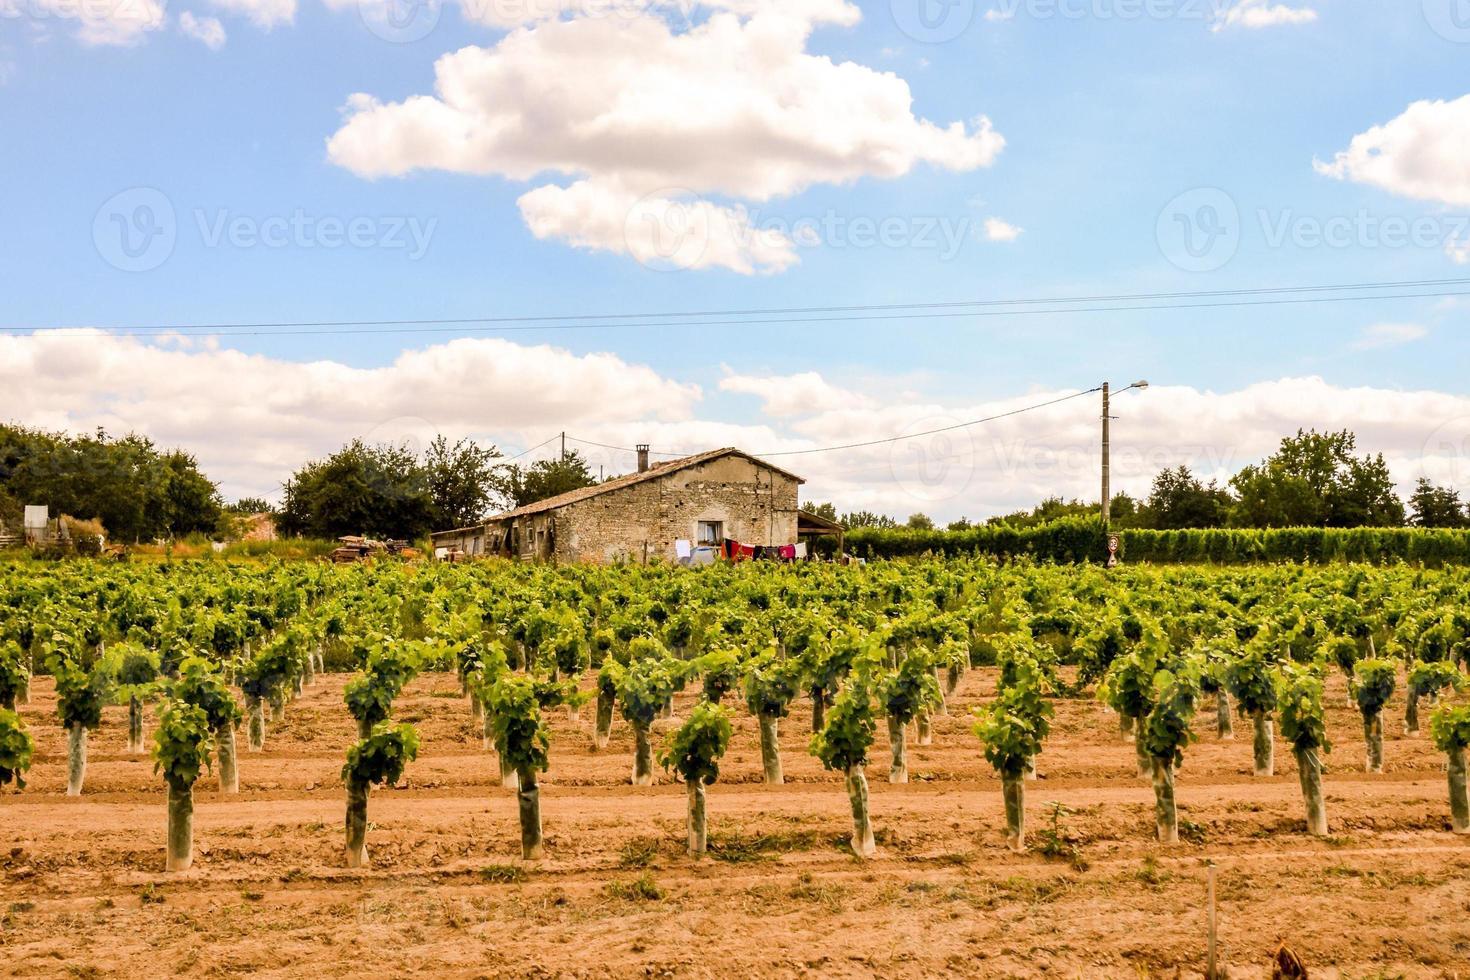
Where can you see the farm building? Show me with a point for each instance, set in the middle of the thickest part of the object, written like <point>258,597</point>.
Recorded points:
<point>666,510</point>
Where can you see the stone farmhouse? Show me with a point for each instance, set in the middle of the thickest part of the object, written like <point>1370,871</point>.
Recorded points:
<point>703,500</point>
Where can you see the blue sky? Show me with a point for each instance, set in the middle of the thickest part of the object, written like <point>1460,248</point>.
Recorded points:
<point>1107,117</point>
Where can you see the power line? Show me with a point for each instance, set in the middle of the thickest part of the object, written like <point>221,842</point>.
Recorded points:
<point>1284,295</point>
<point>876,442</point>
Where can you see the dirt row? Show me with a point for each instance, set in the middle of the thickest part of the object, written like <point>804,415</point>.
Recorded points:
<point>83,892</point>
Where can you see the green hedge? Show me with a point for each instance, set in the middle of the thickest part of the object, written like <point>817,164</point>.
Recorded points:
<point>1080,539</point>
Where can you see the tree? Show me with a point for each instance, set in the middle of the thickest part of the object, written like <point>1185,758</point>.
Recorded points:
<point>181,748</point>
<point>80,695</point>
<point>380,491</point>
<point>462,481</point>
<point>1372,686</point>
<point>825,510</point>
<point>1434,506</point>
<point>643,689</point>
<point>1180,500</point>
<point>843,745</point>
<point>1304,725</point>
<point>16,748</point>
<point>201,685</point>
<point>1315,480</point>
<point>866,518</point>
<point>251,505</point>
<point>1249,678</point>
<point>1163,734</point>
<point>543,479</point>
<point>521,739</point>
<point>380,758</point>
<point>770,686</point>
<point>906,693</point>
<point>1450,729</point>
<point>919,522</point>
<point>1014,727</point>
<point>694,749</point>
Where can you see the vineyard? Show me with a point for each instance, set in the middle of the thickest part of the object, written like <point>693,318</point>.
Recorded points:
<point>906,768</point>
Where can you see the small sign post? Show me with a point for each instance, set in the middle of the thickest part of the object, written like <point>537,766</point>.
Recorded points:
<point>1112,550</point>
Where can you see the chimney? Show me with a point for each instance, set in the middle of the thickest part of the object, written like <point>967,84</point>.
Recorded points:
<point>642,457</point>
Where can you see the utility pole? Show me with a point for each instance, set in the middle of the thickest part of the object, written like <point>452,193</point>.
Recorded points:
<point>1107,449</point>
<point>563,447</point>
<point>1107,461</point>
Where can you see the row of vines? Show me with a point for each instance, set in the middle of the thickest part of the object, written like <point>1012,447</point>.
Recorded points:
<point>212,650</point>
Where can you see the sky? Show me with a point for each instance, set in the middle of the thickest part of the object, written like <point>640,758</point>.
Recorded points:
<point>180,178</point>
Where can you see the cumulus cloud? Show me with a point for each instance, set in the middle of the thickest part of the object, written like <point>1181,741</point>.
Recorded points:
<point>1255,14</point>
<point>661,231</point>
<point>253,419</point>
<point>807,393</point>
<point>1424,153</point>
<point>1382,335</point>
<point>997,230</point>
<point>630,109</point>
<point>264,14</point>
<point>206,30</point>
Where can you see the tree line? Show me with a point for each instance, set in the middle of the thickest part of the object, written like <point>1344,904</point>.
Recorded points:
<point>1313,479</point>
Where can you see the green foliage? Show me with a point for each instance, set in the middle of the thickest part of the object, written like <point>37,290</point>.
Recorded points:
<point>516,725</point>
<point>911,689</point>
<point>201,685</point>
<point>1250,680</point>
<point>181,743</point>
<point>1449,727</point>
<point>15,749</point>
<point>1342,652</point>
<point>380,491</point>
<point>844,741</point>
<point>80,693</point>
<point>369,700</point>
<point>13,673</point>
<point>720,670</point>
<point>694,749</point>
<point>1373,683</point>
<point>1128,687</point>
<point>1431,678</point>
<point>770,685</point>
<point>1303,722</point>
<point>645,687</point>
<point>381,757</point>
<point>1015,725</point>
<point>1165,731</point>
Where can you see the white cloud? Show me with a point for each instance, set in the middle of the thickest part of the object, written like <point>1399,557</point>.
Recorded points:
<point>807,393</point>
<point>733,107</point>
<point>660,231</point>
<point>206,30</point>
<point>1255,14</point>
<point>264,14</point>
<point>98,22</point>
<point>1424,153</point>
<point>253,419</point>
<point>997,230</point>
<point>1382,335</point>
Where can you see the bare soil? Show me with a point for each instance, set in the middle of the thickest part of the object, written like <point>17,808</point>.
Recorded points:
<point>83,892</point>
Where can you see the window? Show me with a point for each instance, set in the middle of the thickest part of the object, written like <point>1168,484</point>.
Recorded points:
<point>711,532</point>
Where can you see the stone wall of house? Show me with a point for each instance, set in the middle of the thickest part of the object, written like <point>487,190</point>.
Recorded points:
<point>756,505</point>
